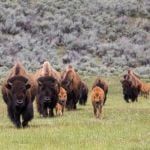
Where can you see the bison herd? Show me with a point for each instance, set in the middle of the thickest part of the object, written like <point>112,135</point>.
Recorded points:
<point>55,90</point>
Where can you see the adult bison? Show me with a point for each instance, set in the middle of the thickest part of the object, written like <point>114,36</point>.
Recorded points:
<point>47,79</point>
<point>71,83</point>
<point>103,85</point>
<point>131,85</point>
<point>18,92</point>
<point>83,93</point>
<point>47,95</point>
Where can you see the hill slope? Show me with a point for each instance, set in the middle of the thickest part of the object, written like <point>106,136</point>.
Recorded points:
<point>96,37</point>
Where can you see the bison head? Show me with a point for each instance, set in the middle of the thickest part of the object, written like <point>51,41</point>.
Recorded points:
<point>67,81</point>
<point>48,89</point>
<point>18,87</point>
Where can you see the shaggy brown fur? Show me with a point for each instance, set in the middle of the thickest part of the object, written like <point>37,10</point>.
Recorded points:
<point>131,85</point>
<point>19,70</point>
<point>48,70</point>
<point>18,92</point>
<point>61,102</point>
<point>97,97</point>
<point>71,83</point>
<point>145,90</point>
<point>102,84</point>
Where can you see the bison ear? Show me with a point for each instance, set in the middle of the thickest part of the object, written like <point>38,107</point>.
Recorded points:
<point>8,85</point>
<point>28,86</point>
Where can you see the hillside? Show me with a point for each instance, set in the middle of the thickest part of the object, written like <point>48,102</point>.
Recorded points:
<point>97,37</point>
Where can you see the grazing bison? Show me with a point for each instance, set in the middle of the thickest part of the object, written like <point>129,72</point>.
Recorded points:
<point>61,102</point>
<point>102,84</point>
<point>71,83</point>
<point>97,97</point>
<point>131,85</point>
<point>83,93</point>
<point>47,95</point>
<point>18,92</point>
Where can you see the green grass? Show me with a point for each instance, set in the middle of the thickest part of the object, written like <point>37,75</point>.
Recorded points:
<point>123,127</point>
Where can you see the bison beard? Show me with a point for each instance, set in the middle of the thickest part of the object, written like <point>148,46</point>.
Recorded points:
<point>47,96</point>
<point>18,100</point>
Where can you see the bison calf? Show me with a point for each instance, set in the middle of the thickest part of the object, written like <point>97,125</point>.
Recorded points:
<point>61,102</point>
<point>103,85</point>
<point>97,97</point>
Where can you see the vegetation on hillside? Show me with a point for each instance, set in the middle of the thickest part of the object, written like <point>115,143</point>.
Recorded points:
<point>100,36</point>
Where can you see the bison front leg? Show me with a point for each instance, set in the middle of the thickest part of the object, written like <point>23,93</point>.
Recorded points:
<point>14,116</point>
<point>94,109</point>
<point>104,100</point>
<point>27,115</point>
<point>100,112</point>
<point>44,110</point>
<point>51,113</point>
<point>17,120</point>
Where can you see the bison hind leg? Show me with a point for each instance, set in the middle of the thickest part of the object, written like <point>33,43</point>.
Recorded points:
<point>104,100</point>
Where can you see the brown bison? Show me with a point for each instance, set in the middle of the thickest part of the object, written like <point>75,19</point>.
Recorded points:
<point>71,83</point>
<point>18,92</point>
<point>83,93</point>
<point>131,85</point>
<point>61,102</point>
<point>102,84</point>
<point>47,79</point>
<point>97,97</point>
<point>145,90</point>
<point>47,95</point>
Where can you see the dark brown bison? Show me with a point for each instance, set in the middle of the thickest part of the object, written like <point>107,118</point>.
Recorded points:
<point>131,85</point>
<point>103,85</point>
<point>71,83</point>
<point>97,97</point>
<point>18,92</point>
<point>60,106</point>
<point>83,93</point>
<point>47,95</point>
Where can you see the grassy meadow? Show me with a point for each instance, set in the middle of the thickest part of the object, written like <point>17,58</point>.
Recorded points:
<point>123,127</point>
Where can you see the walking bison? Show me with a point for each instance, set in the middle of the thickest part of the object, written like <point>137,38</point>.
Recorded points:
<point>18,92</point>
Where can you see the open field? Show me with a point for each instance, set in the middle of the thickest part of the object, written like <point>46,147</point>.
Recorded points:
<point>123,127</point>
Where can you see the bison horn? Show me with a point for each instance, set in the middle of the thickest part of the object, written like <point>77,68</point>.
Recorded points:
<point>9,85</point>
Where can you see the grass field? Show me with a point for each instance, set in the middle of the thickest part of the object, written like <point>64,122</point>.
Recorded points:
<point>123,127</point>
